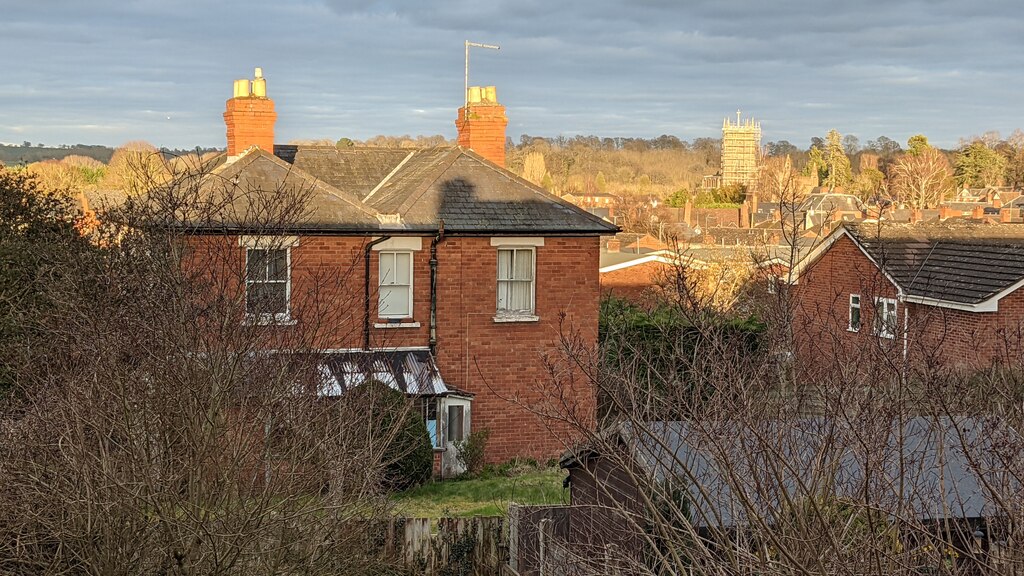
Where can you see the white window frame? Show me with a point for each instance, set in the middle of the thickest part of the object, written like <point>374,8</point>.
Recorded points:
<point>882,327</point>
<point>515,314</point>
<point>860,314</point>
<point>380,281</point>
<point>276,317</point>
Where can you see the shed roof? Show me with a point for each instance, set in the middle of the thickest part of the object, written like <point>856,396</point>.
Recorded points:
<point>925,464</point>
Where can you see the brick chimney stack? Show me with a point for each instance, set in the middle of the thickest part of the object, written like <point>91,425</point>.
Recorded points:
<point>250,116</point>
<point>481,124</point>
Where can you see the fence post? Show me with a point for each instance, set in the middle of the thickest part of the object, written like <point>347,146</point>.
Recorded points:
<point>543,536</point>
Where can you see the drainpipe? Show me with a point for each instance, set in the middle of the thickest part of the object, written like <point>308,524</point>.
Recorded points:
<point>433,287</point>
<point>366,290</point>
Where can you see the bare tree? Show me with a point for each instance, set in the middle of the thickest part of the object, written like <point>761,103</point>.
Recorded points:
<point>159,432</point>
<point>731,448</point>
<point>921,180</point>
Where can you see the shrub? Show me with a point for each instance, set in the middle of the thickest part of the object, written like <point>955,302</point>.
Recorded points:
<point>470,452</point>
<point>408,459</point>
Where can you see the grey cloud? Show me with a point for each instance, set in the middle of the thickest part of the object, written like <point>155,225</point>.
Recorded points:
<point>104,71</point>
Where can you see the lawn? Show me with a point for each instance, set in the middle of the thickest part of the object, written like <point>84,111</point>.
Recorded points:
<point>485,496</point>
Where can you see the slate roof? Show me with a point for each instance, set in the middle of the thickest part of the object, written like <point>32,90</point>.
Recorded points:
<point>926,463</point>
<point>397,190</point>
<point>965,262</point>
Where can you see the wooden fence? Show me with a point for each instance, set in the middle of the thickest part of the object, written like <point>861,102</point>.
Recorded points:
<point>458,547</point>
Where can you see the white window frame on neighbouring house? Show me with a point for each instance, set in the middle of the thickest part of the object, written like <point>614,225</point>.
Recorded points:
<point>885,320</point>
<point>855,309</point>
<point>389,281</point>
<point>263,278</point>
<point>268,244</point>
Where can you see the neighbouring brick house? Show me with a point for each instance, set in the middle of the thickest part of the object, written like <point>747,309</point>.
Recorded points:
<point>945,292</point>
<point>467,270</point>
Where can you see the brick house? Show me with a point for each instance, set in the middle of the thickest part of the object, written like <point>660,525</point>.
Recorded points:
<point>455,272</point>
<point>948,293</point>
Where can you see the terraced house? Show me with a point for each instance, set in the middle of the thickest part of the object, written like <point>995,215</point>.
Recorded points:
<point>461,276</point>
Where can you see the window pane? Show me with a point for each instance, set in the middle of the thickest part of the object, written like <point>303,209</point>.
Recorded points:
<point>255,264</point>
<point>432,430</point>
<point>266,298</point>
<point>393,301</point>
<point>455,424</point>
<point>524,265</point>
<point>520,298</point>
<point>387,268</point>
<point>402,260</point>
<point>503,294</point>
<point>505,264</point>
<point>277,268</point>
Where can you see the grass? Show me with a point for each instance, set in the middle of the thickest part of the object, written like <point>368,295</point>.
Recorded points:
<point>487,495</point>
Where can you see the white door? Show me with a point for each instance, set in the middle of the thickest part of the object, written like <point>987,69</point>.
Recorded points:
<point>456,429</point>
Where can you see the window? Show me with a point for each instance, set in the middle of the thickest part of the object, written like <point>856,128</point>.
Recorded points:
<point>430,417</point>
<point>456,420</point>
<point>773,284</point>
<point>854,313</point>
<point>395,292</point>
<point>515,281</point>
<point>885,317</point>
<point>267,284</point>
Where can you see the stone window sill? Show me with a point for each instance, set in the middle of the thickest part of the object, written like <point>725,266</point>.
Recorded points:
<point>253,320</point>
<point>396,325</point>
<point>503,318</point>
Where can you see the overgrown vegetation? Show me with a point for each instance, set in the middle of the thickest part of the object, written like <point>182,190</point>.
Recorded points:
<point>471,452</point>
<point>487,494</point>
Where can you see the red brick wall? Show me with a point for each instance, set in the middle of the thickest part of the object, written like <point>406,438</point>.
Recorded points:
<point>503,361</point>
<point>821,309</point>
<point>636,283</point>
<point>502,364</point>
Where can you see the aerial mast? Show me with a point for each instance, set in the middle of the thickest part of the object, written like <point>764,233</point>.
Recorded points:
<point>465,88</point>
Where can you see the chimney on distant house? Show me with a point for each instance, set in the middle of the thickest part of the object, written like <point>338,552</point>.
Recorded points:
<point>250,116</point>
<point>481,124</point>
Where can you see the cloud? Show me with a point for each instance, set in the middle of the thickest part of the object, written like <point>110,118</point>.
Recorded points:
<point>358,68</point>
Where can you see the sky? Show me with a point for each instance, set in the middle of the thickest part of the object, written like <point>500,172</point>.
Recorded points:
<point>112,71</point>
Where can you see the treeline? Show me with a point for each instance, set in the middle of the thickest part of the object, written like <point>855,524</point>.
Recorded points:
<point>622,166</point>
<point>28,153</point>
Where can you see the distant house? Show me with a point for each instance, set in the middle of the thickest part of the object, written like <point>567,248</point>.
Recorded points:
<point>461,270</point>
<point>947,291</point>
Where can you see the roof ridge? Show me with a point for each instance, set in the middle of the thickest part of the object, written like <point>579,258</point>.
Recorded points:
<point>388,177</point>
<point>535,188</point>
<point>444,163</point>
<point>316,182</point>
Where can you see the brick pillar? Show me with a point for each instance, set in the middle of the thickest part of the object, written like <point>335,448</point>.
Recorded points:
<point>1005,214</point>
<point>482,130</point>
<point>250,117</point>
